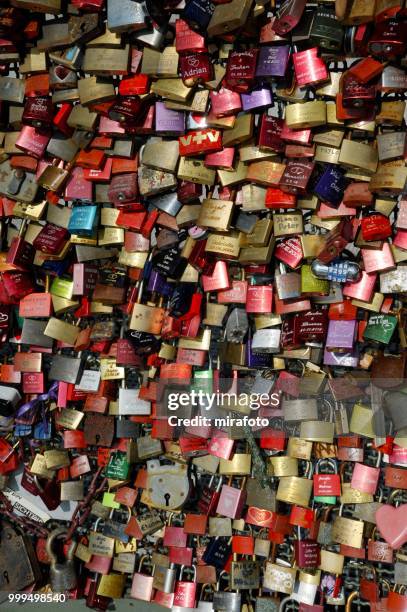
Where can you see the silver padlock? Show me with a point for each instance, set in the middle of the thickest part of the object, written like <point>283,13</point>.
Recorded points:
<point>62,574</point>
<point>164,578</point>
<point>226,601</point>
<point>237,325</point>
<point>168,485</point>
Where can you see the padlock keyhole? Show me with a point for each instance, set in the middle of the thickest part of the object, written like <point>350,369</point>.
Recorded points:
<point>167,499</point>
<point>5,576</point>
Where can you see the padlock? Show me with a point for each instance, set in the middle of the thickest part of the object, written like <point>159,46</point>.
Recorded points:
<point>378,550</point>
<point>19,565</point>
<point>185,591</point>
<point>365,478</point>
<point>236,326</point>
<point>326,487</point>
<point>338,271</point>
<point>279,577</point>
<point>245,573</point>
<point>209,497</point>
<point>309,68</point>
<point>331,185</point>
<point>326,31</point>
<point>369,588</point>
<point>396,598</point>
<point>308,583</point>
<point>307,552</point>
<point>225,599</point>
<point>164,578</point>
<point>63,575</point>
<point>168,485</point>
<point>142,584</point>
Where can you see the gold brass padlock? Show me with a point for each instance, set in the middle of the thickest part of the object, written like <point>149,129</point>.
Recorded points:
<point>306,115</point>
<point>229,17</point>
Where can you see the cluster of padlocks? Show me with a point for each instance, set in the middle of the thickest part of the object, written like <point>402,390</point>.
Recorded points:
<point>203,247</point>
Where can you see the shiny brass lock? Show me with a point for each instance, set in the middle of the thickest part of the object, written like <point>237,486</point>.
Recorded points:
<point>306,115</point>
<point>227,18</point>
<point>111,585</point>
<point>294,490</point>
<point>215,214</point>
<point>358,155</point>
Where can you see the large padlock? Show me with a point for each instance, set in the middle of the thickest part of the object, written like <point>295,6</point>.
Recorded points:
<point>62,574</point>
<point>167,485</point>
<point>18,564</point>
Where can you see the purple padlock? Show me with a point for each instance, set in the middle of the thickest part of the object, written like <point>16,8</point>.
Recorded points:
<point>273,61</point>
<point>257,360</point>
<point>167,121</point>
<point>348,360</point>
<point>257,99</point>
<point>341,335</point>
<point>158,284</point>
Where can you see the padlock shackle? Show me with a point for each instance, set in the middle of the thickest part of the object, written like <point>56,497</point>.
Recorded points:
<point>56,533</point>
<point>193,567</point>
<point>352,596</point>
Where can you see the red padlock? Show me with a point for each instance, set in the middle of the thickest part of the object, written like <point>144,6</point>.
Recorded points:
<point>326,485</point>
<point>307,552</point>
<point>185,591</point>
<point>209,497</point>
<point>376,227</point>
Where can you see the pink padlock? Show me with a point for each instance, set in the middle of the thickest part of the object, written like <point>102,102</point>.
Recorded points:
<point>99,564</point>
<point>231,501</point>
<point>365,478</point>
<point>220,445</point>
<point>142,584</point>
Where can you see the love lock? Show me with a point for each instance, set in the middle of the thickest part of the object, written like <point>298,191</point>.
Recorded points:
<point>167,486</point>
<point>62,574</point>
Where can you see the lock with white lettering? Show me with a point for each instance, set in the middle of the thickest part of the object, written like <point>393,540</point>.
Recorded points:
<point>327,485</point>
<point>185,590</point>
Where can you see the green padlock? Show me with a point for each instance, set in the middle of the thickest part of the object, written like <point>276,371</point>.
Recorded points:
<point>380,328</point>
<point>118,466</point>
<point>109,502</point>
<point>311,284</point>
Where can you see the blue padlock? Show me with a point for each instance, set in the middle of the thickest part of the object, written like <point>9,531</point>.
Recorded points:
<point>331,185</point>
